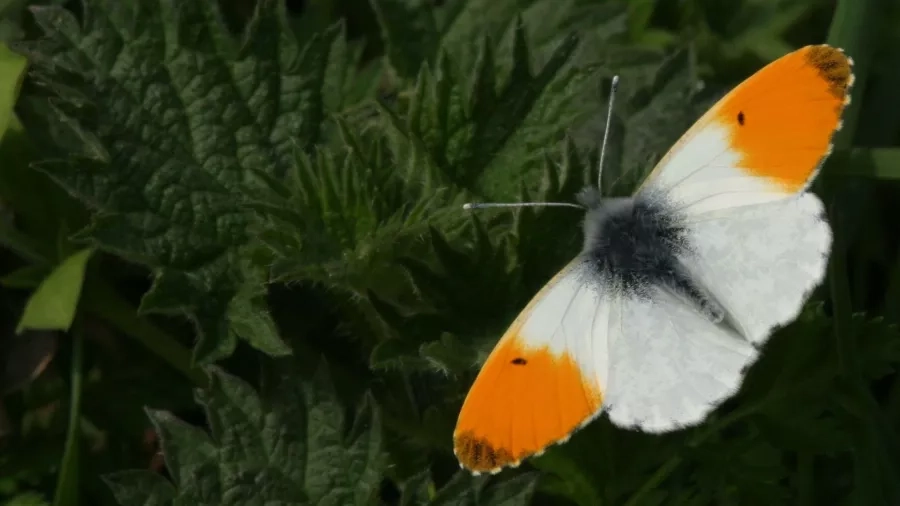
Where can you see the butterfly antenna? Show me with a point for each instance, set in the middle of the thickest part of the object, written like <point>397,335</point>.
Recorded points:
<point>612,99</point>
<point>482,205</point>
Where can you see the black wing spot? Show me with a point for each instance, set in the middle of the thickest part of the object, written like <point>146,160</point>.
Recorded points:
<point>519,361</point>
<point>741,118</point>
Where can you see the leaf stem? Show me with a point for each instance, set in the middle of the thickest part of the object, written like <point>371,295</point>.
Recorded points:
<point>101,299</point>
<point>67,482</point>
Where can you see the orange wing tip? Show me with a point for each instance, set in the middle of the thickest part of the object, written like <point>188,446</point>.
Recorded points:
<point>836,68</point>
<point>479,456</point>
<point>470,449</point>
<point>833,66</point>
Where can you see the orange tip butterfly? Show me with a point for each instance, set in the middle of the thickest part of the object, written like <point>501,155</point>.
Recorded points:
<point>658,317</point>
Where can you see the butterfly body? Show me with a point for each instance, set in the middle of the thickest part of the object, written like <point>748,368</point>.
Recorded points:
<point>636,243</point>
<point>656,320</point>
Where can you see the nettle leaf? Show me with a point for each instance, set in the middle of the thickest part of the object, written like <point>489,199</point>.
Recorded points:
<point>454,278</point>
<point>170,118</point>
<point>546,239</point>
<point>486,133</point>
<point>345,214</point>
<point>374,217</point>
<point>466,490</point>
<point>494,277</point>
<point>416,31</point>
<point>507,81</point>
<point>291,444</point>
<point>140,488</point>
<point>657,109</point>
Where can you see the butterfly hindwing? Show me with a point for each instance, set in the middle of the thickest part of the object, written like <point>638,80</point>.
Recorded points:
<point>761,262</point>
<point>669,364</point>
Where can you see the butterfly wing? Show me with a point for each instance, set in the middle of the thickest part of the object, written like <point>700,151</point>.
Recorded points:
<point>669,364</point>
<point>738,177</point>
<point>582,346</point>
<point>756,241</point>
<point>544,378</point>
<point>763,141</point>
<point>761,262</point>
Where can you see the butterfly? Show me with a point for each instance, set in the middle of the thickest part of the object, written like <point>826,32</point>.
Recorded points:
<point>659,316</point>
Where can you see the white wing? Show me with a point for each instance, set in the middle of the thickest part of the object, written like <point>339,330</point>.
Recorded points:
<point>659,363</point>
<point>739,178</point>
<point>669,365</point>
<point>761,262</point>
<point>544,379</point>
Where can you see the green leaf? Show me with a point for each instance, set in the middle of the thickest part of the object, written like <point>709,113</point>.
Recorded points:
<point>29,277</point>
<point>464,489</point>
<point>513,492</point>
<point>417,489</point>
<point>346,213</point>
<point>250,320</point>
<point>402,22</point>
<point>292,444</point>
<point>40,223</point>
<point>104,301</point>
<point>379,216</point>
<point>53,305</point>
<point>169,118</point>
<point>416,32</point>
<point>28,499</point>
<point>878,163</point>
<point>140,488</point>
<point>469,133</point>
<point>12,71</point>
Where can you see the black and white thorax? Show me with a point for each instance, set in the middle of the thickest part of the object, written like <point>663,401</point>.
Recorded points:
<point>635,244</point>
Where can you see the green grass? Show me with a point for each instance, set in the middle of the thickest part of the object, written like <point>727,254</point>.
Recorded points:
<point>235,270</point>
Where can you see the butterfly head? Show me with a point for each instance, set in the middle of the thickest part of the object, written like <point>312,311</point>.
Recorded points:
<point>599,212</point>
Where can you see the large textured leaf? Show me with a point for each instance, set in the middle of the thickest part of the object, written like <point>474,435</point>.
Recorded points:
<point>346,213</point>
<point>495,135</point>
<point>293,444</point>
<point>416,31</point>
<point>466,490</point>
<point>169,118</point>
<point>478,133</point>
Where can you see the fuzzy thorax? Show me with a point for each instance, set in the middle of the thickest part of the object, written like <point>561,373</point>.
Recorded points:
<point>635,244</point>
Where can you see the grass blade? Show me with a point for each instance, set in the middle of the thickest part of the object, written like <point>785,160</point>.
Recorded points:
<point>875,163</point>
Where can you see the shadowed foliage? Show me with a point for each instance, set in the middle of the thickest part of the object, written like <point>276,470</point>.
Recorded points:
<point>236,270</point>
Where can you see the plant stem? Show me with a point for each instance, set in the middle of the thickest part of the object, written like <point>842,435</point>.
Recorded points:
<point>101,299</point>
<point>67,482</point>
